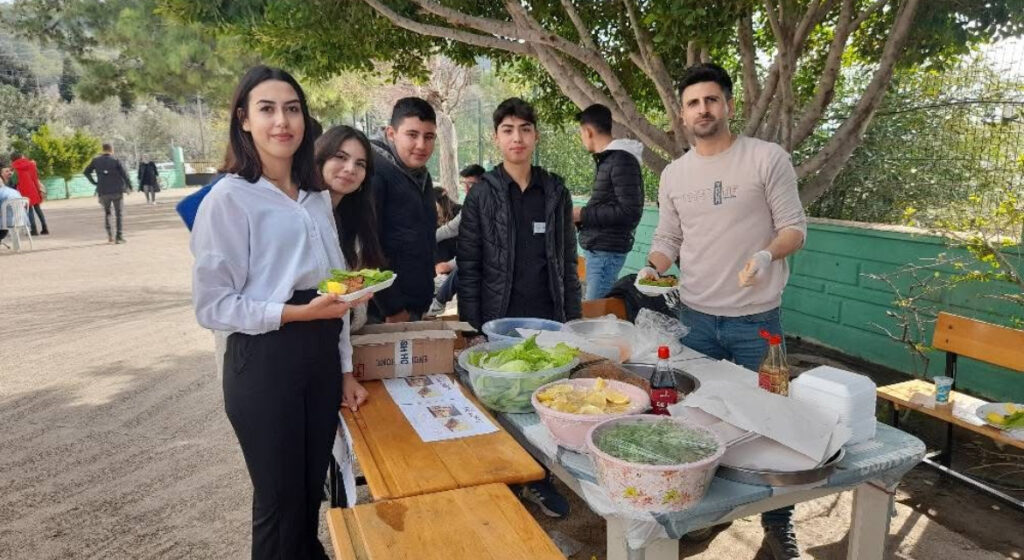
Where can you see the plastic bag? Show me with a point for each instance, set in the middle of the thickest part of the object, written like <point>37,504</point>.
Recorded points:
<point>657,329</point>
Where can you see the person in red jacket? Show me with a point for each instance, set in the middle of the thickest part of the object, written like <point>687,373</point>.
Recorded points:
<point>27,183</point>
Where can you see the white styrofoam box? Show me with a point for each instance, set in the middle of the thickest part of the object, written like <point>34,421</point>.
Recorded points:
<point>849,394</point>
<point>837,382</point>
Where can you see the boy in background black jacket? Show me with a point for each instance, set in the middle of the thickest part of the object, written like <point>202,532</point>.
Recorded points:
<point>616,204</point>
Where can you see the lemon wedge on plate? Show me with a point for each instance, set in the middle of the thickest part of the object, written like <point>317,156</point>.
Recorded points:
<point>336,288</point>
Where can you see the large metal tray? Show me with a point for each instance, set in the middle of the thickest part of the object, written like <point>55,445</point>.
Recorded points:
<point>779,478</point>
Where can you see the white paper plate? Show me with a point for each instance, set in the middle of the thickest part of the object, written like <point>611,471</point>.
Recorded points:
<point>982,411</point>
<point>651,291</point>
<point>352,296</point>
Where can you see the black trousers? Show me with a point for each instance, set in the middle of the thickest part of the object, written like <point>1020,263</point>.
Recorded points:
<point>282,391</point>
<point>34,211</point>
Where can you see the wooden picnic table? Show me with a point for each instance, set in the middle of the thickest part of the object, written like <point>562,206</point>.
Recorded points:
<point>397,463</point>
<point>483,522</point>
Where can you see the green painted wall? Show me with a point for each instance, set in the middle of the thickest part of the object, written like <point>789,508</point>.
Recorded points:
<point>829,300</point>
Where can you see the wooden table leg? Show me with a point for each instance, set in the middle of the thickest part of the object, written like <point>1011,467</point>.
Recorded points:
<point>869,527</point>
<point>617,549</point>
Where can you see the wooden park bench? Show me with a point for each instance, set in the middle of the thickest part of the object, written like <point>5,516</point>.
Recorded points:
<point>481,522</point>
<point>978,340</point>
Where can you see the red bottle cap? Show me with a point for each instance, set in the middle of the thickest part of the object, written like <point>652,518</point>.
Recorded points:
<point>663,352</point>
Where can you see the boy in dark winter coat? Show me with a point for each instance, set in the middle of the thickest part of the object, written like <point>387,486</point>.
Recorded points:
<point>609,219</point>
<point>517,248</point>
<point>404,194</point>
<point>517,243</point>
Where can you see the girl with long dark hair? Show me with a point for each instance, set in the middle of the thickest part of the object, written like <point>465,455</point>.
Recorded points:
<point>263,239</point>
<point>343,156</point>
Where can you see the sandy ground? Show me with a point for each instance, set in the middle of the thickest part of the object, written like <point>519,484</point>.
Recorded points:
<point>114,443</point>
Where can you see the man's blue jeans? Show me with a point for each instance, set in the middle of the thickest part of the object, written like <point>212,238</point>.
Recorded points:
<point>602,271</point>
<point>737,339</point>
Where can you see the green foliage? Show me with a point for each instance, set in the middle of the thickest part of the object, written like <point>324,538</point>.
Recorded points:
<point>127,48</point>
<point>933,143</point>
<point>21,114</point>
<point>62,156</point>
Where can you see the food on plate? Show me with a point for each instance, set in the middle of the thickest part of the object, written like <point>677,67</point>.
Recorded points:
<point>655,443</point>
<point>353,280</point>
<point>1012,419</point>
<point>597,399</point>
<point>659,282</point>
<point>336,288</point>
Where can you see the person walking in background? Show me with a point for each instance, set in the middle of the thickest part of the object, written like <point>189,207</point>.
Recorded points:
<point>609,219</point>
<point>149,181</point>
<point>111,182</point>
<point>407,219</point>
<point>26,180</point>
<point>730,213</point>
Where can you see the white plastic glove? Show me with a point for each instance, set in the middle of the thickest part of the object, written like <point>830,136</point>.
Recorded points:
<point>759,262</point>
<point>647,272</point>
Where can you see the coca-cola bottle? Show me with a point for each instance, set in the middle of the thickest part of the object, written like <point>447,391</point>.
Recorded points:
<point>663,384</point>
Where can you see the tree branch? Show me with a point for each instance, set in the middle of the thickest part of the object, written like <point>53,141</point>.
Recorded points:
<point>467,37</point>
<point>825,164</point>
<point>825,89</point>
<point>644,129</point>
<point>658,73</point>
<point>761,107</point>
<point>748,55</point>
<point>581,29</point>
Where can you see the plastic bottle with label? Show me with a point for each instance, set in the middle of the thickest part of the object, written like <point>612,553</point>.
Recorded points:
<point>773,375</point>
<point>663,384</point>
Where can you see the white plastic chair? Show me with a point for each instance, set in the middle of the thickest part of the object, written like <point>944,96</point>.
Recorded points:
<point>14,218</point>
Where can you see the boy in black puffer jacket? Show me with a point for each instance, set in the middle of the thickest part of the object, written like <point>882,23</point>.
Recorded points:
<point>517,243</point>
<point>517,248</point>
<point>616,204</point>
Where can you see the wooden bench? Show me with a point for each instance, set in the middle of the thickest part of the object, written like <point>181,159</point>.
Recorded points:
<point>978,340</point>
<point>482,522</point>
<point>398,464</point>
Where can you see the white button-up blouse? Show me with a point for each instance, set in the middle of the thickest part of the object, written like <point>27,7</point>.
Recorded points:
<point>254,247</point>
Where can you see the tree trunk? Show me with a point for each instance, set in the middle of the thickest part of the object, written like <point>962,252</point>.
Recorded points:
<point>449,158</point>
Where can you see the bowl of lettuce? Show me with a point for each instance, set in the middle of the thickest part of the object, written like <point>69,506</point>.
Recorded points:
<point>505,374</point>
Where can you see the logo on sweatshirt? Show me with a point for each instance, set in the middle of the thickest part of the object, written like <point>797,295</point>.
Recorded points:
<point>719,194</point>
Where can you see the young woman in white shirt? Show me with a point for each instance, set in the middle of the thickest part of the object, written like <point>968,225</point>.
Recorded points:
<point>262,240</point>
<point>343,156</point>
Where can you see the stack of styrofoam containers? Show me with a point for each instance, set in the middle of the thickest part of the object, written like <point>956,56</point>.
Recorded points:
<point>848,394</point>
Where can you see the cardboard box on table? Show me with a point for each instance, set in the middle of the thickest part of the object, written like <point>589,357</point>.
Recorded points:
<point>404,349</point>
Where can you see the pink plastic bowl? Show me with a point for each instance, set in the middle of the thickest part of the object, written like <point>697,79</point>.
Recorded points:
<point>642,489</point>
<point>570,430</point>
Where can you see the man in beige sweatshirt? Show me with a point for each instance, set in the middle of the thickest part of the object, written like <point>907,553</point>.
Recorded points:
<point>730,212</point>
